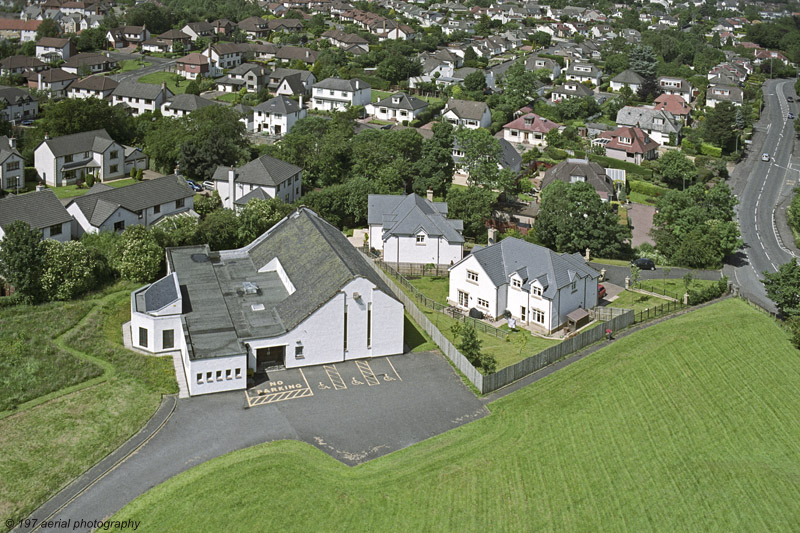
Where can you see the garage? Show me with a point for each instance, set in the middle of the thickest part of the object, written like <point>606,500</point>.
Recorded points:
<point>270,357</point>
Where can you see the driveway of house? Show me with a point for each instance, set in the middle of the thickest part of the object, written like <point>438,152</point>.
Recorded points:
<point>642,221</point>
<point>353,411</point>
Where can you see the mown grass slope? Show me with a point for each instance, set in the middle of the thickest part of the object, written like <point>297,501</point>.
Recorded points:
<point>690,425</point>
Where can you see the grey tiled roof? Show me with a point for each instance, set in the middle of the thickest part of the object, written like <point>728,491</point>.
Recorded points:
<point>406,215</point>
<point>160,294</point>
<point>88,141</point>
<point>410,103</point>
<point>188,102</point>
<point>134,89</point>
<point>629,77</point>
<point>645,118</point>
<point>265,171</point>
<point>280,104</point>
<point>591,172</point>
<point>99,205</point>
<point>40,209</point>
<point>338,84</point>
<point>256,194</point>
<point>466,108</point>
<point>531,261</point>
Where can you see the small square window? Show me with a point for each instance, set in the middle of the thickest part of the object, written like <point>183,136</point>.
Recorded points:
<point>156,209</point>
<point>168,338</point>
<point>472,276</point>
<point>228,374</point>
<point>55,229</point>
<point>199,377</point>
<point>119,226</point>
<point>179,203</point>
<point>298,352</point>
<point>219,375</point>
<point>209,376</point>
<point>420,239</point>
<point>143,337</point>
<point>238,373</point>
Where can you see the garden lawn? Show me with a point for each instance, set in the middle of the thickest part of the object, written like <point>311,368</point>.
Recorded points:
<point>434,287</point>
<point>43,448</point>
<point>227,97</point>
<point>636,301</point>
<point>168,77</point>
<point>690,425</point>
<point>674,288</point>
<point>132,64</point>
<point>73,191</point>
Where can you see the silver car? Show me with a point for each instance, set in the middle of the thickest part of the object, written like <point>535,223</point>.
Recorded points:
<point>765,157</point>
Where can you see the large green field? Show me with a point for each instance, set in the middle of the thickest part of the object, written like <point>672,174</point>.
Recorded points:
<point>84,394</point>
<point>690,425</point>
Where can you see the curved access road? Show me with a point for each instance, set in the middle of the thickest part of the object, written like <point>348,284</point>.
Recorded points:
<point>760,187</point>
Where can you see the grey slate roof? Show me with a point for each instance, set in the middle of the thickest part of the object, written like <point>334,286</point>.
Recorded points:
<point>256,194</point>
<point>316,257</point>
<point>295,83</point>
<point>591,172</point>
<point>406,215</point>
<point>160,294</point>
<point>410,103</point>
<point>134,89</point>
<point>628,77</point>
<point>40,209</point>
<point>188,102</point>
<point>280,104</point>
<point>338,84</point>
<point>98,205</point>
<point>6,150</point>
<point>88,141</point>
<point>645,118</point>
<point>466,108</point>
<point>13,95</point>
<point>531,262</point>
<point>264,171</point>
<point>95,83</point>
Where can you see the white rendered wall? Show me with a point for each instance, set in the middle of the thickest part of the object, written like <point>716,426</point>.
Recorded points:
<point>214,365</point>
<point>404,249</point>
<point>483,289</point>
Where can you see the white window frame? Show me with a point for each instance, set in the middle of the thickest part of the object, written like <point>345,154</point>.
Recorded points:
<point>472,276</point>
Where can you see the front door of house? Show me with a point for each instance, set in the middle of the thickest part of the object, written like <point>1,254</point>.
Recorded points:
<point>463,299</point>
<point>523,314</point>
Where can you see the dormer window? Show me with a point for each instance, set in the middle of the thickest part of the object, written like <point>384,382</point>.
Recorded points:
<point>421,239</point>
<point>577,179</point>
<point>516,283</point>
<point>536,291</point>
<point>528,121</point>
<point>396,100</point>
<point>625,140</point>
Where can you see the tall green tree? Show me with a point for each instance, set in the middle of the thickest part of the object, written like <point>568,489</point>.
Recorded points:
<point>48,28</point>
<point>220,230</point>
<point>481,157</point>
<point>719,127</point>
<point>473,205</point>
<point>258,216</point>
<point>435,167</point>
<point>783,288</point>
<point>572,217</point>
<point>69,270</point>
<point>138,256</point>
<point>676,169</point>
<point>21,259</point>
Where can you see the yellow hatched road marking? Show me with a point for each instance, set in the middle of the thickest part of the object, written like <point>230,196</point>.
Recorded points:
<point>278,396</point>
<point>367,372</point>
<point>335,377</point>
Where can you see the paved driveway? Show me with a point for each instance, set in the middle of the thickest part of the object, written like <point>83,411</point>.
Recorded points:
<point>642,221</point>
<point>353,412</point>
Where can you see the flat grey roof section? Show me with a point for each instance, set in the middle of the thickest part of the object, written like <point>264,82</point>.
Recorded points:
<point>211,331</point>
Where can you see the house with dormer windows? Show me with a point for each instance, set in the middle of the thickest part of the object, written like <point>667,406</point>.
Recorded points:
<point>723,92</point>
<point>529,129</point>
<point>469,114</point>
<point>583,72</point>
<point>676,86</point>
<point>628,143</point>
<point>398,107</point>
<point>277,115</point>
<point>569,90</point>
<point>336,94</point>
<point>533,284</point>
<point>413,230</point>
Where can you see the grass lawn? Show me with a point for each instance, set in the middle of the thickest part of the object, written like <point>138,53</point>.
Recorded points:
<point>690,425</point>
<point>435,288</point>
<point>617,262</point>
<point>379,95</point>
<point>45,447</point>
<point>72,191</point>
<point>132,64</point>
<point>636,301</point>
<point>227,97</point>
<point>169,77</point>
<point>672,287</point>
<point>641,198</point>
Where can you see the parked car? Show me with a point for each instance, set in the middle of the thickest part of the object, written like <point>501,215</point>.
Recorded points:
<point>209,185</point>
<point>27,123</point>
<point>789,99</point>
<point>790,116</point>
<point>644,263</point>
<point>195,187</point>
<point>765,156</point>
<point>601,292</point>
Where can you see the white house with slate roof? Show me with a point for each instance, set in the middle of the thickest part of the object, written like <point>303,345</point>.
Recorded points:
<point>262,178</point>
<point>412,229</point>
<point>140,97</point>
<point>63,160</point>
<point>42,210</point>
<point>277,115</point>
<point>299,295</point>
<point>472,115</point>
<point>657,123</point>
<point>11,165</point>
<point>398,106</point>
<point>537,286</point>
<point>336,94</point>
<point>105,208</point>
<point>629,79</point>
<point>181,105</point>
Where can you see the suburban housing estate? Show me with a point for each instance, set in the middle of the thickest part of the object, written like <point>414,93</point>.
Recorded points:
<point>299,295</point>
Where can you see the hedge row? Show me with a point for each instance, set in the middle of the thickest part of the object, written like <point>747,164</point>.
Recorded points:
<point>711,150</point>
<point>646,188</point>
<point>610,162</point>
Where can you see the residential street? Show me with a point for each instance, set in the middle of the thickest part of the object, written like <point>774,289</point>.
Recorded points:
<point>760,186</point>
<point>157,64</point>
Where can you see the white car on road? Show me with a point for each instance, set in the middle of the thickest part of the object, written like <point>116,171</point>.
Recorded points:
<point>765,157</point>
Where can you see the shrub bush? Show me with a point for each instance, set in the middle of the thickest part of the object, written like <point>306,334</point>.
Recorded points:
<point>688,147</point>
<point>710,149</point>
<point>708,292</point>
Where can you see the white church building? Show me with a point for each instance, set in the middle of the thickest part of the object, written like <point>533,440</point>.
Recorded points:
<point>299,295</point>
